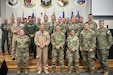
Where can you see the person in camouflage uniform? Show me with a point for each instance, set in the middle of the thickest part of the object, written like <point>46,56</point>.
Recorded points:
<point>58,41</point>
<point>104,42</point>
<point>74,26</point>
<point>22,51</point>
<point>4,28</point>
<point>81,23</point>
<point>87,45</point>
<point>93,25</point>
<point>77,19</point>
<point>59,22</point>
<point>10,34</point>
<point>47,24</point>
<point>73,51</point>
<point>53,22</point>
<point>30,30</point>
<point>38,22</point>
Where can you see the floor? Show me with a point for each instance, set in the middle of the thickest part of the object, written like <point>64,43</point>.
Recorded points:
<point>59,73</point>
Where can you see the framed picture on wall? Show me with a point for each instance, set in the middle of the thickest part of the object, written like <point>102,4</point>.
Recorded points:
<point>29,3</point>
<point>46,3</point>
<point>62,3</point>
<point>80,2</point>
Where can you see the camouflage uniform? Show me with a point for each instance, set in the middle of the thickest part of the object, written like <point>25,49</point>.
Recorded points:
<point>75,27</point>
<point>58,38</point>
<point>81,26</point>
<point>93,25</point>
<point>73,42</point>
<point>104,40</point>
<point>22,51</point>
<point>87,42</point>
<point>10,36</point>
<point>47,27</point>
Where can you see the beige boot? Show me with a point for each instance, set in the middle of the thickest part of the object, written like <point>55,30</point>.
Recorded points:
<point>26,71</point>
<point>39,72</point>
<point>77,71</point>
<point>91,72</point>
<point>70,71</point>
<point>46,71</point>
<point>100,71</point>
<point>18,72</point>
<point>62,70</point>
<point>106,73</point>
<point>53,70</point>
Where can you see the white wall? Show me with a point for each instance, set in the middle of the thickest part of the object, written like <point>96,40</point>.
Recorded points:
<point>58,10</point>
<point>6,11</point>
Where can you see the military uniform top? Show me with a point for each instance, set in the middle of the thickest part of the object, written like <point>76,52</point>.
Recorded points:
<point>52,26</point>
<point>22,43</point>
<point>42,38</point>
<point>38,25</point>
<point>75,27</point>
<point>4,31</point>
<point>73,42</point>
<point>104,38</point>
<point>58,38</point>
<point>10,34</point>
<point>15,28</point>
<point>93,25</point>
<point>64,27</point>
<point>47,27</point>
<point>81,26</point>
<point>87,39</point>
<point>30,28</point>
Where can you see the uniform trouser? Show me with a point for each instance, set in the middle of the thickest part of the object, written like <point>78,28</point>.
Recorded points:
<point>102,55</point>
<point>42,55</point>
<point>22,58</point>
<point>49,50</point>
<point>32,47</point>
<point>13,45</point>
<point>88,58</point>
<point>3,44</point>
<point>10,43</point>
<point>57,53</point>
<point>73,56</point>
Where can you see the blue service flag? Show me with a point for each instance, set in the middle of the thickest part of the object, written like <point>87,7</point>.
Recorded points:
<point>72,15</point>
<point>78,14</point>
<point>63,14</point>
<point>33,15</point>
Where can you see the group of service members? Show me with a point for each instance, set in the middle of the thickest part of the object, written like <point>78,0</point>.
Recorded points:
<point>62,38</point>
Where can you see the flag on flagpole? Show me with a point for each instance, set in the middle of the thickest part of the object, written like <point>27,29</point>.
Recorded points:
<point>33,15</point>
<point>78,14</point>
<point>72,15</point>
<point>63,14</point>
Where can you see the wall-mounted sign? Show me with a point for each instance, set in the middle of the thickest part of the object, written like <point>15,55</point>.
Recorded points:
<point>46,3</point>
<point>62,3</point>
<point>13,3</point>
<point>29,3</point>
